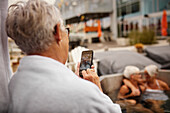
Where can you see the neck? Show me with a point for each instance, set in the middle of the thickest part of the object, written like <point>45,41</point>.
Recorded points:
<point>52,52</point>
<point>151,81</point>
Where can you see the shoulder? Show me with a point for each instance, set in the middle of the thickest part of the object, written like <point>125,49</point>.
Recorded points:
<point>99,102</point>
<point>126,81</point>
<point>161,82</point>
<point>94,101</point>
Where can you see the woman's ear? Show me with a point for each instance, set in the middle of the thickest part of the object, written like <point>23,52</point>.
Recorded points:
<point>57,33</point>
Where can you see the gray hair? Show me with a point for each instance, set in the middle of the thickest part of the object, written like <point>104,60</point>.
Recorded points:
<point>31,25</point>
<point>152,70</point>
<point>130,70</point>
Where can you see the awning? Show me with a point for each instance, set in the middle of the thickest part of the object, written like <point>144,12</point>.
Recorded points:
<point>84,10</point>
<point>86,17</point>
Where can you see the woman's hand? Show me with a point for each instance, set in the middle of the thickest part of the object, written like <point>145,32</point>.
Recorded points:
<point>135,92</point>
<point>78,69</point>
<point>92,76</point>
<point>89,75</point>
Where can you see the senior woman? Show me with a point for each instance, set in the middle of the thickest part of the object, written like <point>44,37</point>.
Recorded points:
<point>153,83</point>
<point>131,91</point>
<point>42,83</point>
<point>154,95</point>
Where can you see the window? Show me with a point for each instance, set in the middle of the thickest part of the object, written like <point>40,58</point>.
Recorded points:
<point>123,10</point>
<point>128,7</point>
<point>135,7</point>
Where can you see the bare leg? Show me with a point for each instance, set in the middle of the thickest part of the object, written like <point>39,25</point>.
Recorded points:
<point>138,108</point>
<point>155,105</point>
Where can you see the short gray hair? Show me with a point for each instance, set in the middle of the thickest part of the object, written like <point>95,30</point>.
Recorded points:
<point>152,70</point>
<point>31,25</point>
<point>130,70</point>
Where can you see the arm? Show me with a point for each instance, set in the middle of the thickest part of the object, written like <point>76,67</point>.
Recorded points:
<point>123,91</point>
<point>164,85</point>
<point>135,91</point>
<point>103,102</point>
<point>128,83</point>
<point>92,76</point>
<point>99,103</point>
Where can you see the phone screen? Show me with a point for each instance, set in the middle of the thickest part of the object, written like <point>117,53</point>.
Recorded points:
<point>86,60</point>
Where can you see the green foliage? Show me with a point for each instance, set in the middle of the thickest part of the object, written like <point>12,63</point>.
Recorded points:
<point>134,37</point>
<point>144,37</point>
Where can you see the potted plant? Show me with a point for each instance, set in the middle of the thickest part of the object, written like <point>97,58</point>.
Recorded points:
<point>139,47</point>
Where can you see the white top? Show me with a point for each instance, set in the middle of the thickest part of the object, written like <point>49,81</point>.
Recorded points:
<point>154,91</point>
<point>43,85</point>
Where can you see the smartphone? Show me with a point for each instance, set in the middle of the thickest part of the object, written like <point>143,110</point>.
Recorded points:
<point>86,61</point>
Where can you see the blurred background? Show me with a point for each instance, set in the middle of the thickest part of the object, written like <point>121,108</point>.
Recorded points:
<point>107,24</point>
